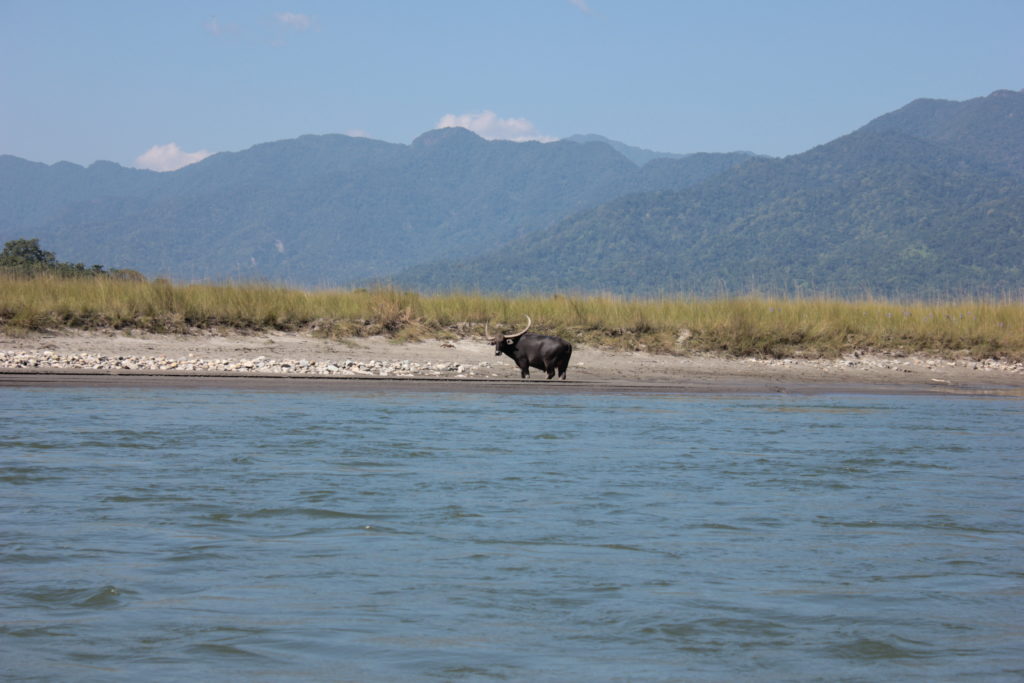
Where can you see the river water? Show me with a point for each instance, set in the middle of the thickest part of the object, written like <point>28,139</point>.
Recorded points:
<point>165,534</point>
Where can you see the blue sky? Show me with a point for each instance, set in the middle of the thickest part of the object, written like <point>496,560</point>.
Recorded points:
<point>150,83</point>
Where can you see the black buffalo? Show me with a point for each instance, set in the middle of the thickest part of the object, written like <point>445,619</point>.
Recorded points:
<point>540,351</point>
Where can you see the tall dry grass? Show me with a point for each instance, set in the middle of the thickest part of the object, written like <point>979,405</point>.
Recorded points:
<point>753,325</point>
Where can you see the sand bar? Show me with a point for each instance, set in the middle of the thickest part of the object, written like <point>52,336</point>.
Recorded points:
<point>274,362</point>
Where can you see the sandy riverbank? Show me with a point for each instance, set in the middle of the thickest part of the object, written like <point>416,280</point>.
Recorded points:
<point>281,359</point>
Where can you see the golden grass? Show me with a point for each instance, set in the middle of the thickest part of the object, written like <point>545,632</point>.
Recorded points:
<point>751,325</point>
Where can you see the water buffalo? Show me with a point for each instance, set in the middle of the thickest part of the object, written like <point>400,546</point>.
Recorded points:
<point>539,351</point>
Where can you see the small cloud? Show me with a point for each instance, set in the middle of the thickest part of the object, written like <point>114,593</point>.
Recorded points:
<point>299,22</point>
<point>168,157</point>
<point>581,5</point>
<point>357,133</point>
<point>215,26</point>
<point>490,126</point>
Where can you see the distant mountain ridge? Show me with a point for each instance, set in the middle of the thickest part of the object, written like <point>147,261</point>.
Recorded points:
<point>920,202</point>
<point>926,200</point>
<point>321,210</point>
<point>987,127</point>
<point>638,155</point>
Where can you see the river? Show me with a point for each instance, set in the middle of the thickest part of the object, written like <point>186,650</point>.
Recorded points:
<point>166,534</point>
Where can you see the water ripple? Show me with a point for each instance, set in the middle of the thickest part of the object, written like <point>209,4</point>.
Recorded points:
<point>162,534</point>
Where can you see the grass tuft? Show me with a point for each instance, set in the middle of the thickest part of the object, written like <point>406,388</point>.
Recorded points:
<point>756,325</point>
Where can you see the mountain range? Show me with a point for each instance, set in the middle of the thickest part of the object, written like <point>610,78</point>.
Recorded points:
<point>927,200</point>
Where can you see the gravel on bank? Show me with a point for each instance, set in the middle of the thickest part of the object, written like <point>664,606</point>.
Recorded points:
<point>49,360</point>
<point>301,356</point>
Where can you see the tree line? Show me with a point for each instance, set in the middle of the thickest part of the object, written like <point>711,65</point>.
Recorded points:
<point>24,257</point>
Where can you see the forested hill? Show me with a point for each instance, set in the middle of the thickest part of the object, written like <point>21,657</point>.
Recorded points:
<point>323,210</point>
<point>920,202</point>
<point>989,128</point>
<point>638,155</point>
<point>924,200</point>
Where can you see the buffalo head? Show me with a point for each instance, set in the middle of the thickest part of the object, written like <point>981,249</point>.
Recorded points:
<point>501,340</point>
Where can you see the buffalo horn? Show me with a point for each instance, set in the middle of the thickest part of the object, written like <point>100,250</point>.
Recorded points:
<point>519,334</point>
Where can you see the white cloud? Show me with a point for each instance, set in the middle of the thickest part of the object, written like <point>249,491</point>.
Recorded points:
<point>357,133</point>
<point>299,22</point>
<point>168,157</point>
<point>490,126</point>
<point>215,26</point>
<point>581,5</point>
